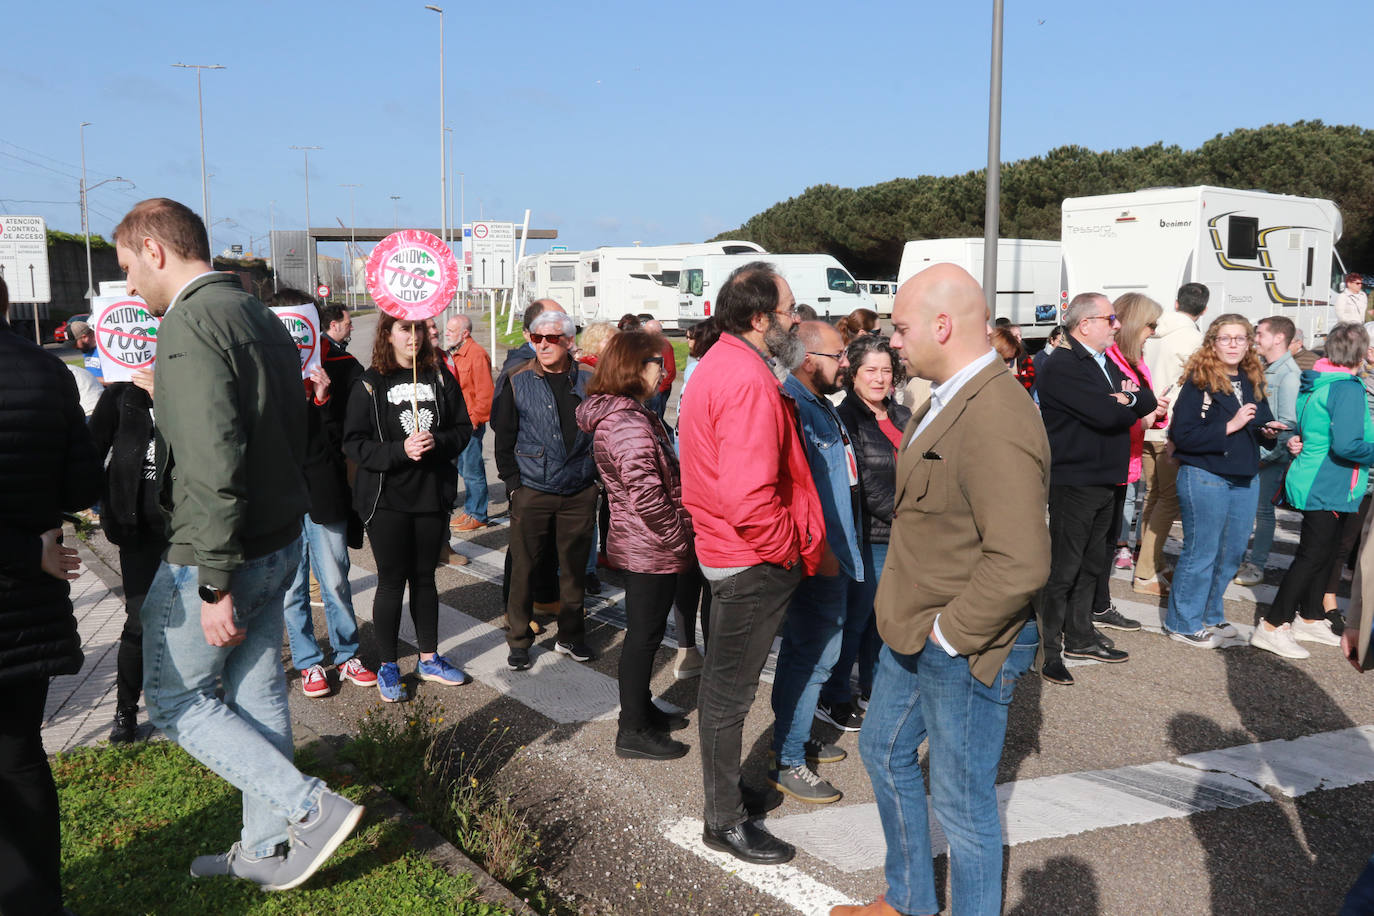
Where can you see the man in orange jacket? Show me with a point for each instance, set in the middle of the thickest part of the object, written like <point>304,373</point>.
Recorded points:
<point>471,366</point>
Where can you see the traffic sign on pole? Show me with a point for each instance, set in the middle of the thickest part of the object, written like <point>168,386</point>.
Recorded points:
<point>322,291</point>
<point>493,255</point>
<point>24,258</point>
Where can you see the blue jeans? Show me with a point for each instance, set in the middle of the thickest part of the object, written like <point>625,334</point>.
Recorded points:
<point>1217,513</point>
<point>326,548</point>
<point>1269,477</point>
<point>246,737</point>
<point>932,695</point>
<point>474,473</point>
<point>861,640</point>
<point>1128,512</point>
<point>812,633</point>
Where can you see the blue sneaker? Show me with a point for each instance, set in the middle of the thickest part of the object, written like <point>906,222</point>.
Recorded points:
<point>389,683</point>
<point>439,669</point>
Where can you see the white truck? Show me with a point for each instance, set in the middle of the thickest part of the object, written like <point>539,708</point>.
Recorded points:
<point>817,280</point>
<point>1257,253</point>
<point>1027,276</point>
<point>547,275</point>
<point>882,292</point>
<point>641,281</point>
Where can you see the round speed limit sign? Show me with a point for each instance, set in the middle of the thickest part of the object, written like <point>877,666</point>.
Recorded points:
<point>322,291</point>
<point>412,275</point>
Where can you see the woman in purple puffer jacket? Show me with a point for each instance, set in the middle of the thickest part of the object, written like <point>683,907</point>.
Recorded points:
<point>650,534</point>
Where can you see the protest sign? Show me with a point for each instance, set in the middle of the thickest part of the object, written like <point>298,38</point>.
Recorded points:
<point>303,323</point>
<point>125,335</point>
<point>412,275</point>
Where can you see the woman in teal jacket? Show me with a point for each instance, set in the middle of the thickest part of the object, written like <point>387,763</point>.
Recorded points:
<point>1326,481</point>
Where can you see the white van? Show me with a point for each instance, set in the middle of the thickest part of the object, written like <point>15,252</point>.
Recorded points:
<point>641,281</point>
<point>817,280</point>
<point>548,275</point>
<point>1258,254</point>
<point>1027,276</point>
<point>882,292</point>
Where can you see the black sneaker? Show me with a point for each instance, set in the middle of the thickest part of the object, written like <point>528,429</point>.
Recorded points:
<point>1114,619</point>
<point>125,729</point>
<point>817,752</point>
<point>518,660</point>
<point>666,721</point>
<point>593,585</point>
<point>802,783</point>
<point>845,716</point>
<point>648,744</point>
<point>577,651</point>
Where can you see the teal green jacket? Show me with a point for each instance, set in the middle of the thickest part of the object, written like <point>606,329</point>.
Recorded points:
<point>1337,442</point>
<point>231,429</point>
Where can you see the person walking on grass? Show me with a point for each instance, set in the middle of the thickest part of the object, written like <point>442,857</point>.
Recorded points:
<point>406,424</point>
<point>231,433</point>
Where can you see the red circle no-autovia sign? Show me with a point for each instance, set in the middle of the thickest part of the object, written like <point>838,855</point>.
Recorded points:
<point>124,332</point>
<point>480,230</point>
<point>412,275</point>
<point>322,291</point>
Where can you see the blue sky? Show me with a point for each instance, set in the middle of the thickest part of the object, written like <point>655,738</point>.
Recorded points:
<point>622,122</point>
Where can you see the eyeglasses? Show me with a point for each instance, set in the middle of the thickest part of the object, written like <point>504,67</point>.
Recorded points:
<point>790,313</point>
<point>653,359</point>
<point>540,338</point>
<point>1232,341</point>
<point>1110,319</point>
<point>835,356</point>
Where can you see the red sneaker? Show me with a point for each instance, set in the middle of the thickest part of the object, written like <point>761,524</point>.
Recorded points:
<point>355,671</point>
<point>314,683</point>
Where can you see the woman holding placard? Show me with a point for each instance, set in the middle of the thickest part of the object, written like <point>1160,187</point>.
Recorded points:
<point>406,423</point>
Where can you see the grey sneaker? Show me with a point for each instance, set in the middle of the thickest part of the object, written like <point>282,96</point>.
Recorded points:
<point>314,840</point>
<point>802,783</point>
<point>817,751</point>
<point>1226,629</point>
<point>1111,617</point>
<point>1249,574</point>
<point>236,864</point>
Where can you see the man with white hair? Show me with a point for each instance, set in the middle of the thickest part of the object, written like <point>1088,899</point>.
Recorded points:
<point>546,463</point>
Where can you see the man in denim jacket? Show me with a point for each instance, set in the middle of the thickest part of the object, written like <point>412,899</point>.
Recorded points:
<point>814,627</point>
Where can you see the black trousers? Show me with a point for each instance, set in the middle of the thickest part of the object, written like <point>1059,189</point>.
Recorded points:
<point>1102,595</point>
<point>30,842</point>
<point>544,525</point>
<point>648,599</point>
<point>1080,518</point>
<point>693,597</point>
<point>406,548</point>
<point>138,563</point>
<point>1348,553</point>
<point>748,611</point>
<point>1302,586</point>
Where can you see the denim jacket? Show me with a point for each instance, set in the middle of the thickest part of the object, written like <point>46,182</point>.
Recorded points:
<point>835,472</point>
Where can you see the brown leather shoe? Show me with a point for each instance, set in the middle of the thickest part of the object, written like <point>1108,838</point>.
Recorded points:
<point>878,907</point>
<point>450,557</point>
<point>465,522</point>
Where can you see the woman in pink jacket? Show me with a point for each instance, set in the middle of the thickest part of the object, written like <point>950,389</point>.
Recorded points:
<point>650,535</point>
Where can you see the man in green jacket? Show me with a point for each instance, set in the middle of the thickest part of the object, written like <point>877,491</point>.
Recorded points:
<point>230,442</point>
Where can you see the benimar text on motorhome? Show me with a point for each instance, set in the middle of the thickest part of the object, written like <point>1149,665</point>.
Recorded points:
<point>1027,276</point>
<point>641,281</point>
<point>1258,254</point>
<point>818,280</point>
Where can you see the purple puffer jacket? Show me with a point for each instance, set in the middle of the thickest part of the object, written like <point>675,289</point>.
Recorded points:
<point>650,531</point>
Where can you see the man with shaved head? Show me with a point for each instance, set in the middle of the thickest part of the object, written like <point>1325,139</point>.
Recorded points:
<point>969,548</point>
<point>814,626</point>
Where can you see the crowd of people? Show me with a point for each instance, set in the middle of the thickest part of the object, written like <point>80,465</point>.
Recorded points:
<point>919,517</point>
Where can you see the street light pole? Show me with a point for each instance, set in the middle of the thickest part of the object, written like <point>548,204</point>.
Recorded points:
<point>443,173</point>
<point>395,217</point>
<point>200,105</point>
<point>353,243</point>
<point>993,204</point>
<point>309,244</point>
<point>85,217</point>
<point>272,239</point>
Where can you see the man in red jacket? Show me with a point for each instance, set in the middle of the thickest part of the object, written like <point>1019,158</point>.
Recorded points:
<point>747,485</point>
<point>471,366</point>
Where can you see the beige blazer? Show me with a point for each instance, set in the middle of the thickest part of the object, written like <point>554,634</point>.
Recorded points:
<point>969,536</point>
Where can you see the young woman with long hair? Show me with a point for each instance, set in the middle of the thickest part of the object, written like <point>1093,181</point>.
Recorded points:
<point>406,423</point>
<point>650,535</point>
<point>1219,420</point>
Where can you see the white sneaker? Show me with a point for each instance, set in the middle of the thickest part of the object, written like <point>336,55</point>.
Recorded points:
<point>688,663</point>
<point>1202,639</point>
<point>1249,574</point>
<point>1279,641</point>
<point>1226,629</point>
<point>1315,631</point>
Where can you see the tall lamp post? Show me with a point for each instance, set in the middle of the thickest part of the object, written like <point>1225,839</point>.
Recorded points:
<point>309,245</point>
<point>993,204</point>
<point>395,212</point>
<point>443,170</point>
<point>353,242</point>
<point>85,212</point>
<point>200,105</point>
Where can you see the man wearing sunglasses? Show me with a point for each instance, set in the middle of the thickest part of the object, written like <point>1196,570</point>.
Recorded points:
<point>546,464</point>
<point>1089,407</point>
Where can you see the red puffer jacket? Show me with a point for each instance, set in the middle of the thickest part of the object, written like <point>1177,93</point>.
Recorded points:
<point>650,530</point>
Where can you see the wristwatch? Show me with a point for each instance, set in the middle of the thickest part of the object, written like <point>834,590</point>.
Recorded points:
<point>212,595</point>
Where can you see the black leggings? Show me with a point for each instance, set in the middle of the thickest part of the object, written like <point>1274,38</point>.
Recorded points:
<point>406,548</point>
<point>648,599</point>
<point>138,565</point>
<point>29,831</point>
<point>1305,581</point>
<point>692,593</point>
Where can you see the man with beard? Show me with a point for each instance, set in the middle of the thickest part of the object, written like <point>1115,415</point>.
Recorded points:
<point>759,527</point>
<point>814,626</point>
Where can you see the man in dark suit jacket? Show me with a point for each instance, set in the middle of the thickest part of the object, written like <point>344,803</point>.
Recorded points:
<point>1089,407</point>
<point>969,548</point>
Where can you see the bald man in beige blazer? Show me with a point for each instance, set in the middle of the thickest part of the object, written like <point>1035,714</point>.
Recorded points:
<point>969,548</point>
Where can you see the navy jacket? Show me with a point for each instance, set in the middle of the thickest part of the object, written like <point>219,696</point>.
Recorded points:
<point>528,433</point>
<point>1199,434</point>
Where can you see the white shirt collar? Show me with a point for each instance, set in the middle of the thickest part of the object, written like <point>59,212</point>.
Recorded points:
<point>177,297</point>
<point>944,392</point>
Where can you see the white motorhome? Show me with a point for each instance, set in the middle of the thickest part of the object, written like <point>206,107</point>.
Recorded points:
<point>817,280</point>
<point>548,275</point>
<point>1258,254</point>
<point>882,292</point>
<point>641,281</point>
<point>1027,276</point>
